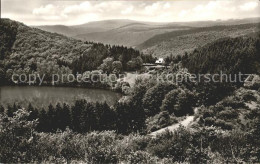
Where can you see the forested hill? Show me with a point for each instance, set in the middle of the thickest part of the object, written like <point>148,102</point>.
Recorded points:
<point>23,47</point>
<point>26,50</point>
<point>230,55</point>
<point>177,42</point>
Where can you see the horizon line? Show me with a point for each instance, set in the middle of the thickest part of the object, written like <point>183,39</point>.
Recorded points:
<point>216,20</point>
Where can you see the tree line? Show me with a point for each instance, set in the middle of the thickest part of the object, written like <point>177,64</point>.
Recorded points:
<point>83,117</point>
<point>229,55</point>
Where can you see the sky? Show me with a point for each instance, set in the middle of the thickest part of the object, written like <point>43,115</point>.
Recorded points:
<point>71,12</point>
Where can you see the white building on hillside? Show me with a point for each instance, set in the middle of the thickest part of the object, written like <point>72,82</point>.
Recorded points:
<point>159,61</point>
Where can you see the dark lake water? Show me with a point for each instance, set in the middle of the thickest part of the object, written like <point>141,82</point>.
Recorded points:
<point>43,96</point>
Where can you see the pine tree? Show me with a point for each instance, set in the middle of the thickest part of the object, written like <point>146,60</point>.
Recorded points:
<point>51,118</point>
<point>66,117</point>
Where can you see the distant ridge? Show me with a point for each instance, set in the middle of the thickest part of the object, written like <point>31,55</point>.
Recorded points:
<point>178,42</point>
<point>138,34</point>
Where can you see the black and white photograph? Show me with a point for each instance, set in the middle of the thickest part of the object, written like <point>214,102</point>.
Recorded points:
<point>130,81</point>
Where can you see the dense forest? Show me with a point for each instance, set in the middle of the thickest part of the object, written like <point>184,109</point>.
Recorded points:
<point>29,50</point>
<point>229,55</point>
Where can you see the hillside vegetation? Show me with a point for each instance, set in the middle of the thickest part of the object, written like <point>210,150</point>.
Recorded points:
<point>130,35</point>
<point>30,50</point>
<point>230,55</point>
<point>178,42</point>
<point>226,131</point>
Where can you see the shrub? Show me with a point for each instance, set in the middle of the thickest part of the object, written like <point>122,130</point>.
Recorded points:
<point>209,121</point>
<point>208,113</point>
<point>179,102</point>
<point>130,143</point>
<point>233,102</point>
<point>172,145</point>
<point>18,137</point>
<point>195,155</point>
<point>159,121</point>
<point>65,146</point>
<point>223,124</point>
<point>154,96</point>
<point>141,157</point>
<point>100,147</point>
<point>249,96</point>
<point>228,114</point>
<point>95,147</point>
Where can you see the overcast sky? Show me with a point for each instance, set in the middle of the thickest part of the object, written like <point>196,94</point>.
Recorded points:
<point>69,12</point>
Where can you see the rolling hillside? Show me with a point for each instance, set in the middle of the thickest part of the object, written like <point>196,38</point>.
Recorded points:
<point>134,33</point>
<point>228,22</point>
<point>114,32</point>
<point>28,50</point>
<point>130,35</point>
<point>91,27</point>
<point>178,42</point>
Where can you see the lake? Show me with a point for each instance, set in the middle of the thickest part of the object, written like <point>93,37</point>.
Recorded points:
<point>42,96</point>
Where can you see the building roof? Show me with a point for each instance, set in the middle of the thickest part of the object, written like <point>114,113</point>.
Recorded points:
<point>160,60</point>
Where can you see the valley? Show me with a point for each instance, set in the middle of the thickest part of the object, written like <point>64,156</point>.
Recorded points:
<point>158,39</point>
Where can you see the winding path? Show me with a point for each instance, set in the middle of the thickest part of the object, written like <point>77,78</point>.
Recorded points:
<point>187,121</point>
<point>173,127</point>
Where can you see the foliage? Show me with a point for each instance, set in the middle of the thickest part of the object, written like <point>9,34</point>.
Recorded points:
<point>159,121</point>
<point>154,96</point>
<point>179,102</point>
<point>26,50</point>
<point>209,93</point>
<point>117,67</point>
<point>198,145</point>
<point>229,55</point>
<point>8,35</point>
<point>230,113</point>
<point>18,138</point>
<point>129,118</point>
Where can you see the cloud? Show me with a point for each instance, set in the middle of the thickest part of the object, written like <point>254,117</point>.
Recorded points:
<point>249,6</point>
<point>128,10</point>
<point>211,10</point>
<point>74,9</point>
<point>216,6</point>
<point>44,10</point>
<point>183,13</point>
<point>152,9</point>
<point>167,5</point>
<point>78,12</point>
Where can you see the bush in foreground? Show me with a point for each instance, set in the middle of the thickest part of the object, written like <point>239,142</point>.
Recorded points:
<point>21,143</point>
